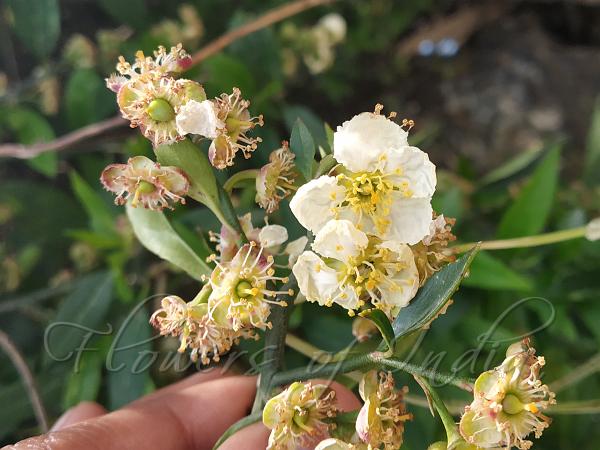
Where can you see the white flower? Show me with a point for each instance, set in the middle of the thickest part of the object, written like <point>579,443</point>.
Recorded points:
<point>335,25</point>
<point>356,268</point>
<point>199,118</point>
<point>384,185</point>
<point>592,230</point>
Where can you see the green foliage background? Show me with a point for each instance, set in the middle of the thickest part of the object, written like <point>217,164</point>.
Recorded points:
<point>68,254</point>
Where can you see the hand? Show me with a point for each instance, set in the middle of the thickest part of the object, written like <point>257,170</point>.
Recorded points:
<point>188,415</point>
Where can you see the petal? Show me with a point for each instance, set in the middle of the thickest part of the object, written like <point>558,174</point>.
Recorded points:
<point>405,281</point>
<point>410,219</point>
<point>272,235</point>
<point>295,248</point>
<point>314,203</point>
<point>412,166</point>
<point>317,282</point>
<point>368,384</point>
<point>480,429</point>
<point>362,142</point>
<point>142,166</point>
<point>198,118</point>
<point>174,180</point>
<point>340,239</point>
<point>333,444</point>
<point>114,177</point>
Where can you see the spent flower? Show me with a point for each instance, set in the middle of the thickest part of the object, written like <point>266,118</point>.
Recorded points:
<point>383,185</point>
<point>355,268</point>
<point>508,402</point>
<point>276,179</point>
<point>381,420</point>
<point>298,417</point>
<point>148,183</point>
<point>431,253</point>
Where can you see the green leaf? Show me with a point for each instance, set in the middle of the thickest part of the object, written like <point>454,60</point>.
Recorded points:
<point>239,425</point>
<point>83,310</point>
<point>592,156</point>
<point>155,233</point>
<point>529,212</point>
<point>86,98</point>
<point>313,122</point>
<point>100,215</point>
<point>84,383</point>
<point>329,135</point>
<point>383,324</point>
<point>512,166</point>
<point>31,128</point>
<point>131,12</point>
<point>226,72</point>
<point>303,146</point>
<point>130,358</point>
<point>325,165</point>
<point>432,297</point>
<point>37,24</point>
<point>488,272</point>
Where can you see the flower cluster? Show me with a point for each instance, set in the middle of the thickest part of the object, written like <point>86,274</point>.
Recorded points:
<point>299,416</point>
<point>148,183</point>
<point>237,297</point>
<point>508,402</point>
<point>167,109</point>
<point>376,238</point>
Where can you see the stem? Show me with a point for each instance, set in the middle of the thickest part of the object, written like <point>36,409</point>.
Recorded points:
<point>271,17</point>
<point>307,349</point>
<point>238,177</point>
<point>28,381</point>
<point>527,241</point>
<point>274,346</point>
<point>364,362</point>
<point>586,369</point>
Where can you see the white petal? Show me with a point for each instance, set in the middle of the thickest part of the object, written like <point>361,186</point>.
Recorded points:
<point>294,249</point>
<point>272,235</point>
<point>340,239</point>
<point>592,230</point>
<point>413,167</point>
<point>438,225</point>
<point>198,118</point>
<point>335,25</point>
<point>361,143</point>
<point>317,282</point>
<point>314,203</point>
<point>406,280</point>
<point>410,219</point>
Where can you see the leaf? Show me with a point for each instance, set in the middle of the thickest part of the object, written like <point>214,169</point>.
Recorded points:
<point>239,425</point>
<point>84,383</point>
<point>80,313</point>
<point>383,324</point>
<point>86,98</point>
<point>329,135</point>
<point>130,359</point>
<point>488,272</point>
<point>37,24</point>
<point>131,12</point>
<point>432,297</point>
<point>154,232</point>
<point>529,212</point>
<point>512,166</point>
<point>226,73</point>
<point>101,218</point>
<point>314,124</point>
<point>32,128</point>
<point>325,165</point>
<point>303,146</point>
<point>592,156</point>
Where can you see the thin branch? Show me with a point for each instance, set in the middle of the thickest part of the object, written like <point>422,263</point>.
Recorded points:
<point>62,143</point>
<point>270,18</point>
<point>590,367</point>
<point>28,381</point>
<point>68,140</point>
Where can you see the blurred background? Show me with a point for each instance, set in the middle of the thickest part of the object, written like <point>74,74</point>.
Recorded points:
<point>505,99</point>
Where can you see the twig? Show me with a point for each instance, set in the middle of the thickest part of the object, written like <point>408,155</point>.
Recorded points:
<point>28,381</point>
<point>271,17</point>
<point>574,376</point>
<point>70,139</point>
<point>62,143</point>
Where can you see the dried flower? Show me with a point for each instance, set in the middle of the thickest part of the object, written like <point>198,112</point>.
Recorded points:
<point>194,327</point>
<point>430,253</point>
<point>151,185</point>
<point>297,417</point>
<point>276,179</point>
<point>242,295</point>
<point>381,420</point>
<point>232,111</point>
<point>357,268</point>
<point>508,402</point>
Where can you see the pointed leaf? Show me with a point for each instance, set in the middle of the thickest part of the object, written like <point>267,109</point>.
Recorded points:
<point>383,324</point>
<point>488,272</point>
<point>432,297</point>
<point>155,233</point>
<point>529,212</point>
<point>37,23</point>
<point>303,146</point>
<point>100,215</point>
